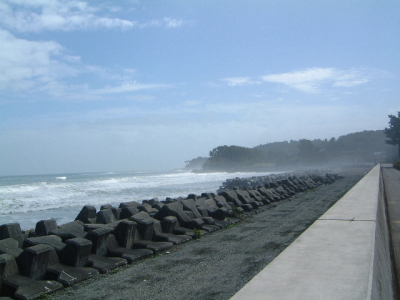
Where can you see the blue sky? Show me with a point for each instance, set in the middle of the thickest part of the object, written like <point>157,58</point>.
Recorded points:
<point>146,85</point>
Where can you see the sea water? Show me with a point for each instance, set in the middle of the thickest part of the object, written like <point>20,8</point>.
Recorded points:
<point>29,199</point>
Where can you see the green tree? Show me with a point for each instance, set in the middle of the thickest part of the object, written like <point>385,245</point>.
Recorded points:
<point>195,163</point>
<point>308,152</point>
<point>393,132</point>
<point>233,157</point>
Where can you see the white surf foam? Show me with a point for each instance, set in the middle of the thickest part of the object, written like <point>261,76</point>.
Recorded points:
<point>34,195</point>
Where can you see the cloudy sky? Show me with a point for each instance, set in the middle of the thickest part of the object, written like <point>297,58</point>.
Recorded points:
<point>148,84</point>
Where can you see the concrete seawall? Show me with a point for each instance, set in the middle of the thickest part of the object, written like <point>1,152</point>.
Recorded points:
<point>345,254</point>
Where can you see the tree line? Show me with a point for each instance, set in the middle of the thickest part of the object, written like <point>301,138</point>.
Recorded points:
<point>359,147</point>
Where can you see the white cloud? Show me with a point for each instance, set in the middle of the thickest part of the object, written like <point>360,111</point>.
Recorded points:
<point>42,66</point>
<point>128,87</point>
<point>306,80</point>
<point>350,78</point>
<point>66,15</point>
<point>310,80</point>
<point>34,16</point>
<point>165,22</point>
<point>238,81</point>
<point>25,63</point>
<point>174,23</point>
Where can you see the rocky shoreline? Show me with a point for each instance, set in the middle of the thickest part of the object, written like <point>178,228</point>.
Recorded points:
<point>52,257</point>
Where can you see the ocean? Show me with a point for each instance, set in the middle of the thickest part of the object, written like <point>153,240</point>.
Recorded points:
<point>31,198</point>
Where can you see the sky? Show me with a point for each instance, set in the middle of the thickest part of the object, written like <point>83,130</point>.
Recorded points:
<point>130,85</point>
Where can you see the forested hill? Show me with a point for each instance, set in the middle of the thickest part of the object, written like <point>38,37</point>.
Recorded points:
<point>359,147</point>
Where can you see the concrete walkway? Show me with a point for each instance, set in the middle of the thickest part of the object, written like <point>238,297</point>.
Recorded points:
<point>343,255</point>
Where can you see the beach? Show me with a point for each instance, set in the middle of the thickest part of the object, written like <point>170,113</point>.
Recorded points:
<point>217,265</point>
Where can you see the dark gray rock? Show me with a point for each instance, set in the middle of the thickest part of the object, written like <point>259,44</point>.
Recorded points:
<point>197,223</point>
<point>130,255</point>
<point>247,207</point>
<point>105,264</point>
<point>150,229</point>
<point>28,233</point>
<point>214,210</point>
<point>190,214</point>
<point>33,261</point>
<point>222,223</point>
<point>282,191</point>
<point>276,194</point>
<point>87,215</point>
<point>64,274</point>
<point>204,208</point>
<point>159,235</point>
<point>189,232</point>
<point>222,202</point>
<point>176,209</point>
<point>70,230</point>
<point>151,201</point>
<point>125,233</point>
<point>76,252</point>
<point>168,224</point>
<point>156,247</point>
<point>106,206</point>
<point>129,204</point>
<point>255,195</point>
<point>117,212</point>
<point>232,196</point>
<point>21,287</point>
<point>10,246</point>
<point>69,275</point>
<point>158,205</point>
<point>173,209</point>
<point>90,227</point>
<point>44,227</point>
<point>147,208</point>
<point>203,211</point>
<point>190,204</point>
<point>145,225</point>
<point>192,196</point>
<point>210,228</point>
<point>105,216</point>
<point>52,240</point>
<point>99,237</point>
<point>207,195</point>
<point>270,194</point>
<point>128,211</point>
<point>209,220</point>
<point>245,197</point>
<point>8,267</point>
<point>12,230</point>
<point>258,197</point>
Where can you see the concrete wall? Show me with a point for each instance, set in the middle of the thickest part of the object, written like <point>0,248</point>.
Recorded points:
<point>383,274</point>
<point>343,255</point>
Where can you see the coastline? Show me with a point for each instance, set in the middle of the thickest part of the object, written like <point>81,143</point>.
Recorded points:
<point>219,264</point>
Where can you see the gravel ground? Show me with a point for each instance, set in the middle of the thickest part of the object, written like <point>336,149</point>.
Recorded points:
<point>219,264</point>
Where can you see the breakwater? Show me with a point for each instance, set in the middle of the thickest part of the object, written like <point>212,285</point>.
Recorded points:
<point>99,241</point>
